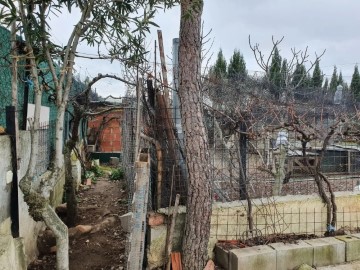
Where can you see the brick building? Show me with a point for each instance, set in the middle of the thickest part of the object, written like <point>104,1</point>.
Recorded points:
<point>105,132</point>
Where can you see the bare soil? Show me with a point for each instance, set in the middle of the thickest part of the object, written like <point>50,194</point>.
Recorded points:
<point>102,250</point>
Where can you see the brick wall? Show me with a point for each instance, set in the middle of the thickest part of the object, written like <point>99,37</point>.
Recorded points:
<point>110,136</point>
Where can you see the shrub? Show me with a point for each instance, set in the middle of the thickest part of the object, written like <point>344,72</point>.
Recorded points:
<point>117,174</point>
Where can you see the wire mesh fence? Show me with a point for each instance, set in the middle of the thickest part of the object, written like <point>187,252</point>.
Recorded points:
<point>228,224</point>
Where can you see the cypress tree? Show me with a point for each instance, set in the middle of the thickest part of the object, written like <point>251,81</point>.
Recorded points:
<point>284,73</point>
<point>299,78</point>
<point>237,67</point>
<point>355,83</point>
<point>326,84</point>
<point>275,74</point>
<point>340,79</point>
<point>317,77</point>
<point>334,80</point>
<point>220,67</point>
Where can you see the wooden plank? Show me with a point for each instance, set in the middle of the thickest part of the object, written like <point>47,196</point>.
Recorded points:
<point>139,209</point>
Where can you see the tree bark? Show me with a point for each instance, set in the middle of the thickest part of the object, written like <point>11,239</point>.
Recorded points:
<point>197,227</point>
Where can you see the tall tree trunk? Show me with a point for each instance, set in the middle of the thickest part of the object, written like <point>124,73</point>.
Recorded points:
<point>197,227</point>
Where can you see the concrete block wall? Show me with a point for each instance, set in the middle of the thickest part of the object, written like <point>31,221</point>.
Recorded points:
<point>229,222</point>
<point>315,252</point>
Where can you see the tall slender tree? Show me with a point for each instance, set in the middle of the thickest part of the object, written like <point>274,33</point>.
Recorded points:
<point>299,78</point>
<point>198,206</point>
<point>284,73</point>
<point>340,79</point>
<point>237,67</point>
<point>317,77</point>
<point>220,67</point>
<point>275,74</point>
<point>334,80</point>
<point>326,84</point>
<point>355,83</point>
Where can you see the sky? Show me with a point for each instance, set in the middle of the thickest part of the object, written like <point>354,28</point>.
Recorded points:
<point>330,25</point>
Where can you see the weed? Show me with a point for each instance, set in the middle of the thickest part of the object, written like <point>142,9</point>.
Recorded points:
<point>117,174</point>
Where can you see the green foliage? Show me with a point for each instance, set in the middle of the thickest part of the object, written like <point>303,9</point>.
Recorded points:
<point>326,84</point>
<point>220,68</point>
<point>117,174</point>
<point>299,79</point>
<point>237,67</point>
<point>355,83</point>
<point>284,73</point>
<point>334,80</point>
<point>317,77</point>
<point>97,171</point>
<point>340,79</point>
<point>275,74</point>
<point>120,25</point>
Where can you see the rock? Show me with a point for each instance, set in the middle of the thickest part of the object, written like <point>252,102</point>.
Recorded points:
<point>84,228</point>
<point>104,224</point>
<point>53,249</point>
<point>155,219</point>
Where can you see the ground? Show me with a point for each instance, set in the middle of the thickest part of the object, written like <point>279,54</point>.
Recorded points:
<point>103,250</point>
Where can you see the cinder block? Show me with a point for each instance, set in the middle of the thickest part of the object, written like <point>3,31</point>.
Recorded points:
<point>352,246</point>
<point>327,251</point>
<point>222,257</point>
<point>289,256</point>
<point>258,257</point>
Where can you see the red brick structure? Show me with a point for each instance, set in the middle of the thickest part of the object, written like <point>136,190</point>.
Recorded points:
<point>104,131</point>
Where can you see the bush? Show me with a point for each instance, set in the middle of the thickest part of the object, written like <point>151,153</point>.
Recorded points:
<point>117,174</point>
<point>97,171</point>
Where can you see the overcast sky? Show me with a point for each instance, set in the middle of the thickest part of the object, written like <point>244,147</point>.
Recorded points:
<point>319,24</point>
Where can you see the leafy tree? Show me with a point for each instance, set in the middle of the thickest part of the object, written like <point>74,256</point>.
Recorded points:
<point>275,74</point>
<point>317,77</point>
<point>355,83</point>
<point>220,67</point>
<point>237,67</point>
<point>334,80</point>
<point>326,84</point>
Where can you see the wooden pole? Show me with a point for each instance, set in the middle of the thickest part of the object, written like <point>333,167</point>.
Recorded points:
<point>163,67</point>
<point>138,114</point>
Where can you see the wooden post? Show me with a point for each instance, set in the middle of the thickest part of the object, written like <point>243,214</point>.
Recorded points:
<point>139,205</point>
<point>163,67</point>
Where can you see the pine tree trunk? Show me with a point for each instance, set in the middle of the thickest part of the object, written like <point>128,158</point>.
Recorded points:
<point>197,227</point>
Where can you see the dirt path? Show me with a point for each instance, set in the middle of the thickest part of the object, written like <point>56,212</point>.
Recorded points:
<point>102,250</point>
